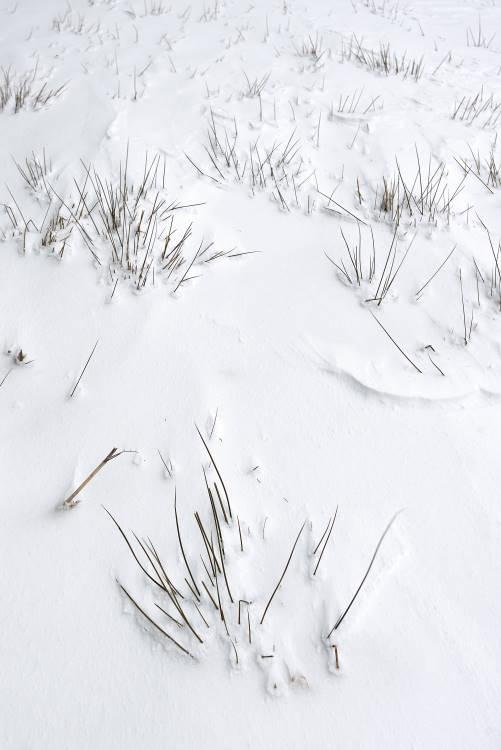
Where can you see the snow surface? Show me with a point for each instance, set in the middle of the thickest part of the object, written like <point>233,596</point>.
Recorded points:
<point>303,400</point>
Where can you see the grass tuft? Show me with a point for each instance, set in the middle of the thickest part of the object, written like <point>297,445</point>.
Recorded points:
<point>382,60</point>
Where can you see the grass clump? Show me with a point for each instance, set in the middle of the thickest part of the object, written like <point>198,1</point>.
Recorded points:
<point>25,91</point>
<point>383,59</point>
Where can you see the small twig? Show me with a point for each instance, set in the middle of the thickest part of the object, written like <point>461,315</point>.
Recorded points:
<point>213,424</point>
<point>179,624</point>
<point>70,501</point>
<point>462,305</point>
<point>343,615</point>
<point>169,471</point>
<point>240,534</point>
<point>240,602</point>
<point>435,364</point>
<point>85,367</point>
<point>235,650</point>
<point>197,590</point>
<point>434,274</point>
<point>2,381</point>
<point>184,650</point>
<point>393,340</point>
<point>326,541</point>
<point>283,574</point>
<point>323,536</point>
<point>217,471</point>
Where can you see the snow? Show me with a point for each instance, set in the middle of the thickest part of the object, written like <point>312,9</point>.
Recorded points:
<point>304,402</point>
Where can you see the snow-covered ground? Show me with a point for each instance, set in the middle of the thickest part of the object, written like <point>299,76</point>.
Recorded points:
<point>267,233</point>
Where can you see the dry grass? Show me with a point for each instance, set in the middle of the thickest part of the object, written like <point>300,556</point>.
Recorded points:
<point>202,590</point>
<point>359,262</point>
<point>423,196</point>
<point>277,168</point>
<point>382,60</point>
<point>128,224</point>
<point>481,109</point>
<point>25,91</point>
<point>487,169</point>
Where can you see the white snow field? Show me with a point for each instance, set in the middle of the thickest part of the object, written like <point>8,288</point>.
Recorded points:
<point>250,271</point>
